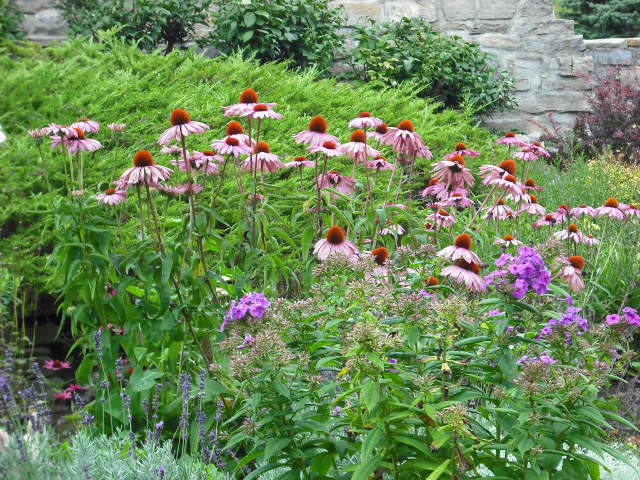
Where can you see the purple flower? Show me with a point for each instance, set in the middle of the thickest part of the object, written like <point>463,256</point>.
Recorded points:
<point>504,259</point>
<point>547,359</point>
<point>494,313</point>
<point>248,342</point>
<point>255,304</point>
<point>631,314</point>
<point>528,272</point>
<point>570,318</point>
<point>613,319</point>
<point>424,293</point>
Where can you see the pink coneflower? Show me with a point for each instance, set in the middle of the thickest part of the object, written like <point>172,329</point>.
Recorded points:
<point>526,155</point>
<point>508,241</point>
<point>611,209</point>
<point>467,273</point>
<point>328,148</point>
<point>499,211</point>
<point>538,149</point>
<point>404,139</point>
<point>461,149</point>
<point>510,185</point>
<point>511,140</point>
<point>181,126</point>
<point>562,213</point>
<point>235,130</point>
<point>365,120</point>
<point>440,219</point>
<point>56,128</point>
<point>335,242</point>
<point>547,220</point>
<point>174,150</point>
<point>394,229</point>
<point>379,132</point>
<point>435,188</point>
<point>630,210</point>
<point>207,162</point>
<point>591,241</point>
<point>248,100</point>
<point>86,125</point>
<point>533,207</point>
<point>145,171</point>
<point>380,255</point>
<point>117,127</point>
<point>112,196</point>
<point>301,162</point>
<point>454,172</point>
<point>380,163</point>
<point>572,233</point>
<point>189,187</point>
<point>231,146</point>
<point>66,395</point>
<point>77,141</point>
<point>456,199</point>
<point>333,179</point>
<point>262,111</point>
<point>488,173</point>
<point>56,365</point>
<point>316,134</point>
<point>461,249</point>
<point>39,133</point>
<point>571,272</point>
<point>357,147</point>
<point>530,184</point>
<point>262,159</point>
<point>583,210</point>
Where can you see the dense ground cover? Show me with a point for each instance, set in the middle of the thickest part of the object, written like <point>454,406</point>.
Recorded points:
<point>368,329</point>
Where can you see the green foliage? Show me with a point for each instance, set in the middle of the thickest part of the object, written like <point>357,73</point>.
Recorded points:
<point>148,23</point>
<point>10,19</point>
<point>304,31</point>
<point>603,18</point>
<point>440,66</point>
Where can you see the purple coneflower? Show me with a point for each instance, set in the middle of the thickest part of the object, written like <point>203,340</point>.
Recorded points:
<point>590,241</point>
<point>174,150</point>
<point>86,125</point>
<point>333,179</point>
<point>231,146</point>
<point>461,149</point>
<point>380,163</point>
<point>526,155</point>
<point>538,149</point>
<point>335,242</point>
<point>301,162</point>
<point>77,141</point>
<point>365,120</point>
<point>56,128</point>
<point>533,207</point>
<point>316,134</point>
<point>185,188</point>
<point>511,140</point>
<point>461,249</point>
<point>404,139</point>
<point>508,241</point>
<point>572,233</point>
<point>510,185</point>
<point>499,211</point>
<point>440,219</point>
<point>328,148</point>
<point>262,111</point>
<point>611,209</point>
<point>454,172</point>
<point>248,100</point>
<point>235,130</point>
<point>111,196</point>
<point>56,365</point>
<point>467,273</point>
<point>631,210</point>
<point>394,229</point>
<point>488,173</point>
<point>379,132</point>
<point>117,127</point>
<point>547,220</point>
<point>262,159</point>
<point>357,147</point>
<point>435,188</point>
<point>181,126</point>
<point>571,272</point>
<point>583,210</point>
<point>145,171</point>
<point>456,199</point>
<point>39,133</point>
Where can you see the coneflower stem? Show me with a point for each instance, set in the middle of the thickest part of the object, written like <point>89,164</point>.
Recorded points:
<point>44,165</point>
<point>217,192</point>
<point>140,211</point>
<point>81,169</point>
<point>393,172</point>
<point>254,239</point>
<point>317,181</point>
<point>192,213</point>
<point>484,202</point>
<point>154,214</point>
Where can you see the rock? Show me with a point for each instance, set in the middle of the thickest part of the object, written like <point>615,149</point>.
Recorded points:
<point>496,9</point>
<point>396,9</point>
<point>459,9</point>
<point>359,12</point>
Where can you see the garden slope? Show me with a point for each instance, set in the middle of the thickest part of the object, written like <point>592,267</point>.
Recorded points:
<point>118,83</point>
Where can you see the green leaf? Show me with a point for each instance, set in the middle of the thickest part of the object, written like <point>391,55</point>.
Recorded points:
<point>439,471</point>
<point>142,380</point>
<point>370,394</point>
<point>415,442</point>
<point>249,19</point>
<point>246,36</point>
<point>370,442</point>
<point>274,445</point>
<point>366,467</point>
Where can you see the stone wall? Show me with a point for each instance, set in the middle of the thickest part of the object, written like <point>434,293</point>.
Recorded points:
<point>543,53</point>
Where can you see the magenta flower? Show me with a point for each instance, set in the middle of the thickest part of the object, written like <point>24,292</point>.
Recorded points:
<point>613,319</point>
<point>335,242</point>
<point>77,141</point>
<point>436,188</point>
<point>511,140</point>
<point>610,209</point>
<point>117,127</point>
<point>631,314</point>
<point>630,210</point>
<point>461,249</point>
<point>333,179</point>
<point>262,159</point>
<point>510,185</point>
<point>467,273</point>
<point>231,146</point>
<point>112,196</point>
<point>488,173</point>
<point>461,149</point>
<point>181,126</point>
<point>262,111</point>
<point>252,307</point>
<point>66,395</point>
<point>74,387</point>
<point>380,163</point>
<point>248,100</point>
<point>56,365</point>
<point>365,120</point>
<point>86,125</point>
<point>316,134</point>
<point>405,140</point>
<point>145,171</point>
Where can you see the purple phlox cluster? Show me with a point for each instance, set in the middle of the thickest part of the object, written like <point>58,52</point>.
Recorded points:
<point>254,304</point>
<point>570,318</point>
<point>528,268</point>
<point>544,358</point>
<point>248,341</point>
<point>631,314</point>
<point>393,361</point>
<point>613,319</point>
<point>494,313</point>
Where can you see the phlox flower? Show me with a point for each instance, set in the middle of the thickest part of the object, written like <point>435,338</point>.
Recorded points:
<point>631,315</point>
<point>335,242</point>
<point>251,307</point>
<point>365,120</point>
<point>181,126</point>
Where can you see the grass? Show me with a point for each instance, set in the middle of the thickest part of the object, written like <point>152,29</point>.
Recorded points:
<point>112,82</point>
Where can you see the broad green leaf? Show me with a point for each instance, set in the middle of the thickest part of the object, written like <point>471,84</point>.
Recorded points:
<point>435,475</point>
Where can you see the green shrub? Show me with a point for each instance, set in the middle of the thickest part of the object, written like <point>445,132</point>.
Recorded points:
<point>150,23</point>
<point>10,19</point>
<point>305,31</point>
<point>441,66</point>
<point>603,18</point>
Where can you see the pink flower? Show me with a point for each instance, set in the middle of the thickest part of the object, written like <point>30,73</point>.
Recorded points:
<point>300,162</point>
<point>548,219</point>
<point>435,188</point>
<point>248,100</point>
<point>39,132</point>
<point>499,211</point>
<point>262,111</point>
<point>404,139</point>
<point>454,172</point>
<point>380,163</point>
<point>572,233</point>
<point>235,130</point>
<point>117,127</point>
<point>511,140</point>
<point>461,149</point>
<point>533,207</point>
<point>394,229</point>
<point>611,209</point>
<point>316,134</point>
<point>630,210</point>
<point>530,184</point>
<point>488,173</point>
<point>508,241</point>
<point>112,196</point>
<point>379,132</point>
<point>189,187</point>
<point>509,184</point>
<point>591,241</point>
<point>181,126</point>
<point>328,148</point>
<point>583,210</point>
<point>357,147</point>
<point>86,125</point>
<point>526,155</point>
<point>461,249</point>
<point>440,219</point>
<point>231,146</point>
<point>335,242</point>
<point>467,273</point>
<point>262,160</point>
<point>55,128</point>
<point>74,387</point>
<point>456,200</point>
<point>174,150</point>
<point>63,395</point>
<point>145,171</point>
<point>77,141</point>
<point>571,272</point>
<point>538,149</point>
<point>333,179</point>
<point>365,120</point>
<point>56,365</point>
